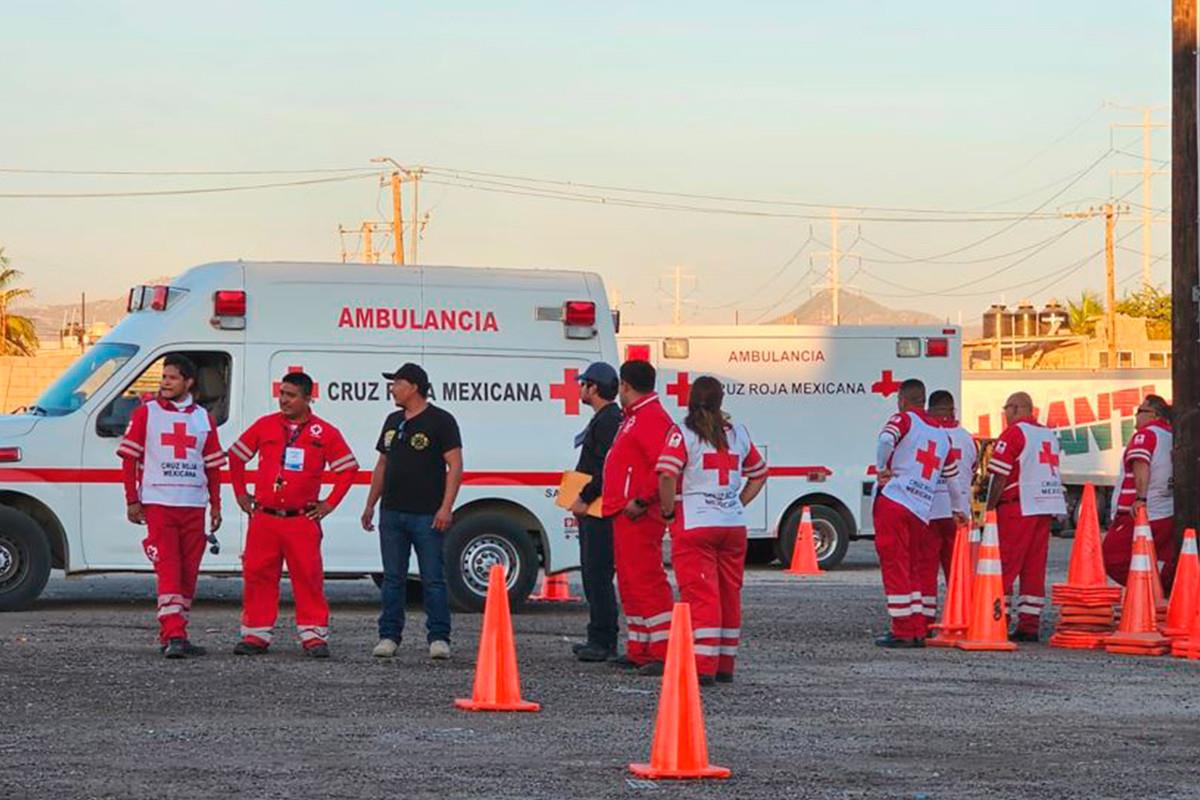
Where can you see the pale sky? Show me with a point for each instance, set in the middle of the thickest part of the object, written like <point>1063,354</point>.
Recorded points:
<point>931,105</point>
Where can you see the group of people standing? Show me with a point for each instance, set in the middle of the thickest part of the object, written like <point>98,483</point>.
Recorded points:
<point>925,463</point>
<point>651,475</point>
<point>172,459</point>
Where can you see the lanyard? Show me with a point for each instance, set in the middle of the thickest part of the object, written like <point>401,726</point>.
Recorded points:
<point>291,440</point>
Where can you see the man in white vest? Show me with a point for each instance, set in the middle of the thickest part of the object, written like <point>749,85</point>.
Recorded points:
<point>942,523</point>
<point>912,459</point>
<point>1027,492</point>
<point>171,462</point>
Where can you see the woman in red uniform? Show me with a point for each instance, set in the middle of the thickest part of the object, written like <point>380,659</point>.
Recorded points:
<point>708,472</point>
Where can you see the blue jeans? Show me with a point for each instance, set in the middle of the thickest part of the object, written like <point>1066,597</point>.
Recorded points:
<point>399,533</point>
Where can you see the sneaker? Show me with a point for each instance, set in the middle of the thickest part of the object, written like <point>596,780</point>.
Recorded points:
<point>175,649</point>
<point>652,669</point>
<point>439,650</point>
<point>724,677</point>
<point>245,648</point>
<point>318,650</point>
<point>594,654</point>
<point>386,648</point>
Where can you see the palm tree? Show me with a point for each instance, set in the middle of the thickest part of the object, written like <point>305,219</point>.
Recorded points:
<point>17,333</point>
<point>1086,313</point>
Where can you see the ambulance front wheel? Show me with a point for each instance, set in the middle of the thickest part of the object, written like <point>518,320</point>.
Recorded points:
<point>24,560</point>
<point>477,542</point>
<point>831,535</point>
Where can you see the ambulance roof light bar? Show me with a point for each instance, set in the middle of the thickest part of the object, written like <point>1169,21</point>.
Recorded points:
<point>152,298</point>
<point>229,310</point>
<point>579,319</point>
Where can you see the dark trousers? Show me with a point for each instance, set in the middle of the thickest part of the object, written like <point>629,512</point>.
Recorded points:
<point>596,561</point>
<point>399,534</point>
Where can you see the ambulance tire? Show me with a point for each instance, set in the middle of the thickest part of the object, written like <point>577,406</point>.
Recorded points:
<point>827,523</point>
<point>24,560</point>
<point>477,542</point>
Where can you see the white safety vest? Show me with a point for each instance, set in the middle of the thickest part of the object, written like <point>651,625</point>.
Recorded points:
<point>1040,482</point>
<point>916,466</point>
<point>710,486</point>
<point>173,468</point>
<point>1160,494</point>
<point>960,440</point>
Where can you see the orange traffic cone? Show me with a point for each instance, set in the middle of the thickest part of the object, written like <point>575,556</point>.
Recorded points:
<point>804,552</point>
<point>555,589</point>
<point>987,627</point>
<point>1189,646</point>
<point>956,610</point>
<point>497,684</point>
<point>975,539</point>
<point>680,748</point>
<point>1138,632</point>
<point>1086,600</point>
<point>1185,594</point>
<point>1160,597</point>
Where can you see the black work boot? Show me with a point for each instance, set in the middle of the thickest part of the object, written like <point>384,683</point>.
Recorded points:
<point>193,649</point>
<point>176,648</point>
<point>894,642</point>
<point>245,648</point>
<point>319,650</point>
<point>594,653</point>
<point>651,669</point>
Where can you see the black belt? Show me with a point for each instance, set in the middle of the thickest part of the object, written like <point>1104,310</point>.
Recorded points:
<point>280,512</point>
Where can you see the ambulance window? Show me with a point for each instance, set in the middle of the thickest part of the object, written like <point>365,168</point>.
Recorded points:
<point>213,370</point>
<point>83,379</point>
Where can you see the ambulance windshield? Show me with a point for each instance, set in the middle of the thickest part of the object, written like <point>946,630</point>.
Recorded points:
<point>83,379</point>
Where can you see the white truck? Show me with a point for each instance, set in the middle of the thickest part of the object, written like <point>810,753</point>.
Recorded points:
<point>814,399</point>
<point>502,348</point>
<point>1091,410</point>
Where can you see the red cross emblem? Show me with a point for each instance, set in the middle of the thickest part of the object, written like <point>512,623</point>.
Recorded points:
<point>567,391</point>
<point>724,462</point>
<point>681,390</point>
<point>886,384</point>
<point>178,438</point>
<point>291,370</point>
<point>1048,457</point>
<point>929,459</point>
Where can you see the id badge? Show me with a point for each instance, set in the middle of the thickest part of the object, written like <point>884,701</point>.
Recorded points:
<point>293,459</point>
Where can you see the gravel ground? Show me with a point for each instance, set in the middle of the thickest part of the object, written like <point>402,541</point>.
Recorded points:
<point>91,710</point>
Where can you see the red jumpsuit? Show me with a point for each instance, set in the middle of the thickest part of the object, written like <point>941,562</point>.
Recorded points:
<point>1151,445</point>
<point>1030,471</point>
<point>173,473</point>
<point>708,537</point>
<point>637,543</point>
<point>292,459</point>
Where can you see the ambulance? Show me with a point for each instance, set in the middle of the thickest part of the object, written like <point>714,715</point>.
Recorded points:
<point>502,348</point>
<point>814,399</point>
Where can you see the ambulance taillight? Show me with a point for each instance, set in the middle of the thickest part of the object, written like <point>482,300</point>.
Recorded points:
<point>937,347</point>
<point>229,309</point>
<point>579,319</point>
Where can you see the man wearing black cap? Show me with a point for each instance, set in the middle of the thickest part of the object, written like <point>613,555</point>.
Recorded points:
<point>417,475</point>
<point>598,388</point>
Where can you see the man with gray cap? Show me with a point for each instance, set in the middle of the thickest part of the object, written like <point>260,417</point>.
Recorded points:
<point>417,475</point>
<point>598,388</point>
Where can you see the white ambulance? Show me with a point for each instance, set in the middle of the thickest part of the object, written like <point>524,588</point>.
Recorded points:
<point>815,399</point>
<point>502,349</point>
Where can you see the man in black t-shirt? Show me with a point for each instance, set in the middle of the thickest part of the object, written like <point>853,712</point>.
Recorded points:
<point>417,475</point>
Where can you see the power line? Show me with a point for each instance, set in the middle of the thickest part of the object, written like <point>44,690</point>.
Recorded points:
<point>774,276</point>
<point>169,192</point>
<point>173,172</point>
<point>903,258</point>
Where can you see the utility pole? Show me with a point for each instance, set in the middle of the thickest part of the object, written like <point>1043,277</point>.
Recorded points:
<point>397,221</point>
<point>1185,255</point>
<point>835,256</point>
<point>415,176</point>
<point>677,313</point>
<point>678,280</point>
<point>1110,284</point>
<point>368,248</point>
<point>1147,173</point>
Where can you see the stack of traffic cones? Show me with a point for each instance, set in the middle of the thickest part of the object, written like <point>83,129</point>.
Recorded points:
<point>956,610</point>
<point>1086,617</point>
<point>497,683</point>
<point>680,747</point>
<point>804,552</point>
<point>555,589</point>
<point>987,626</point>
<point>1138,632</point>
<point>1185,594</point>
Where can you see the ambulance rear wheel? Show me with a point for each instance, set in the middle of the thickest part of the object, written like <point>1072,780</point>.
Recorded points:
<point>831,535</point>
<point>476,543</point>
<point>24,560</point>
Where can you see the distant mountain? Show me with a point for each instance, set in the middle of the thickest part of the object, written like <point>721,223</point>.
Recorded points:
<point>50,319</point>
<point>854,309</point>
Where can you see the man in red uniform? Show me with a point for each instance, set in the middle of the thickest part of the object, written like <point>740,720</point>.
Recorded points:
<point>1026,491</point>
<point>294,449</point>
<point>171,461</point>
<point>941,522</point>
<point>630,495</point>
<point>912,460</point>
<point>1146,480</point>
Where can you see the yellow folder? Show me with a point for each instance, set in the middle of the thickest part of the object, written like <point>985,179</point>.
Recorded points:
<point>570,486</point>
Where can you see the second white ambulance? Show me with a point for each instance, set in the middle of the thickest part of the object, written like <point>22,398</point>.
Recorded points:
<point>502,348</point>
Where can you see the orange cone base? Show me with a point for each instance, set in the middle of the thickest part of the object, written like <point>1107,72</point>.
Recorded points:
<point>1007,647</point>
<point>473,705</point>
<point>1188,648</point>
<point>946,635</point>
<point>1176,633</point>
<point>817,571</point>
<point>1078,641</point>
<point>647,771</point>
<point>1136,651</point>
<point>1138,644</point>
